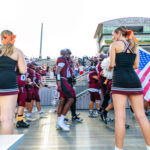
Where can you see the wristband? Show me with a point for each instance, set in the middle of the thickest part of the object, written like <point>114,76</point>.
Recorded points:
<point>58,77</point>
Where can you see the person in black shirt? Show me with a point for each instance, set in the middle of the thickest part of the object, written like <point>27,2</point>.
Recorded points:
<point>10,56</point>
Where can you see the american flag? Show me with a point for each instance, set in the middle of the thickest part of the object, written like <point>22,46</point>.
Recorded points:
<point>144,72</point>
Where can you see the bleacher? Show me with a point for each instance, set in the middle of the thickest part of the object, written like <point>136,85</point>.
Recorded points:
<point>50,62</point>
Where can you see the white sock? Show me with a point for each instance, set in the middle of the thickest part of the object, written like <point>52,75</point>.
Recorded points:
<point>62,117</point>
<point>148,147</point>
<point>116,148</point>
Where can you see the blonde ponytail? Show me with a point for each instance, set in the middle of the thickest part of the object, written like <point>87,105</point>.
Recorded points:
<point>133,44</point>
<point>7,48</point>
<point>129,35</point>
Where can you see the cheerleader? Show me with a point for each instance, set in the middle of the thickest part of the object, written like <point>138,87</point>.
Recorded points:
<point>10,56</point>
<point>124,58</point>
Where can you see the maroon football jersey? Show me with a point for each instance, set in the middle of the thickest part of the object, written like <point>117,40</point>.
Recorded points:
<point>98,68</point>
<point>38,79</point>
<point>93,83</point>
<point>65,72</point>
<point>21,79</point>
<point>31,74</point>
<point>43,72</point>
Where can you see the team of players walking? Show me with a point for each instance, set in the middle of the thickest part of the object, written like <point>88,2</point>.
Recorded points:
<point>28,85</point>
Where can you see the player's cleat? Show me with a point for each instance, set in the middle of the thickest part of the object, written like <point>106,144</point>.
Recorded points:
<point>59,128</point>
<point>22,124</point>
<point>78,114</point>
<point>77,119</point>
<point>109,119</point>
<point>29,118</point>
<point>42,114</point>
<point>63,126</point>
<point>103,117</point>
<point>66,119</point>
<point>92,114</point>
<point>105,121</point>
<point>100,110</point>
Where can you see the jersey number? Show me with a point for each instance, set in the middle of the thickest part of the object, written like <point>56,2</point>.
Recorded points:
<point>23,77</point>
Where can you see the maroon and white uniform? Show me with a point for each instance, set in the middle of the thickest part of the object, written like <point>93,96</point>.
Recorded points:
<point>31,74</point>
<point>36,87</point>
<point>98,69</point>
<point>43,72</point>
<point>30,86</point>
<point>22,95</point>
<point>30,92</point>
<point>66,73</point>
<point>102,79</point>
<point>93,86</point>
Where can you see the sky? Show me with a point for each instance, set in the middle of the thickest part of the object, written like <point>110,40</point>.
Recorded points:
<point>66,23</point>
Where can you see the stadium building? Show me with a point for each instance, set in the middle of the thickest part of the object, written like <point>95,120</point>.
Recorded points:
<point>140,26</point>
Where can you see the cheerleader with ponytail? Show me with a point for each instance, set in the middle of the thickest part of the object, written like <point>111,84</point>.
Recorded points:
<point>124,58</point>
<point>10,57</point>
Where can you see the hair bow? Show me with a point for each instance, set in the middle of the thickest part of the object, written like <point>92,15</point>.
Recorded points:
<point>130,36</point>
<point>8,39</point>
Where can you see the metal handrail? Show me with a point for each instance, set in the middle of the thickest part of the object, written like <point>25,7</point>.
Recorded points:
<point>79,79</point>
<point>80,76</point>
<point>85,92</point>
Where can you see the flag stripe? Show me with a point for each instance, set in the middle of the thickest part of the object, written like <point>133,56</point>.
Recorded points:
<point>146,81</point>
<point>138,71</point>
<point>145,74</point>
<point>143,70</point>
<point>146,89</point>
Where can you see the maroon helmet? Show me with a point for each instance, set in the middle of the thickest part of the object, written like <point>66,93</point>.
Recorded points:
<point>102,56</point>
<point>29,65</point>
<point>38,69</point>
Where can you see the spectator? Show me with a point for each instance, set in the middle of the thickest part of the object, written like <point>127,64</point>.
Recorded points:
<point>81,69</point>
<point>76,69</point>
<point>51,74</point>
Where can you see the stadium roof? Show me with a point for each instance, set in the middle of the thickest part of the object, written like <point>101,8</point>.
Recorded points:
<point>129,21</point>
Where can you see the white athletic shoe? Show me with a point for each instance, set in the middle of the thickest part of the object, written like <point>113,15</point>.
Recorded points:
<point>92,114</point>
<point>59,128</point>
<point>29,118</point>
<point>63,126</point>
<point>42,115</point>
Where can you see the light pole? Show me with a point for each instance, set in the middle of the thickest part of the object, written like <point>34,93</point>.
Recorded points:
<point>40,56</point>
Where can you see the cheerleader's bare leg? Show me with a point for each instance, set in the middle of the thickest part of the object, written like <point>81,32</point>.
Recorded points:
<point>138,108</point>
<point>119,102</point>
<point>7,112</point>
